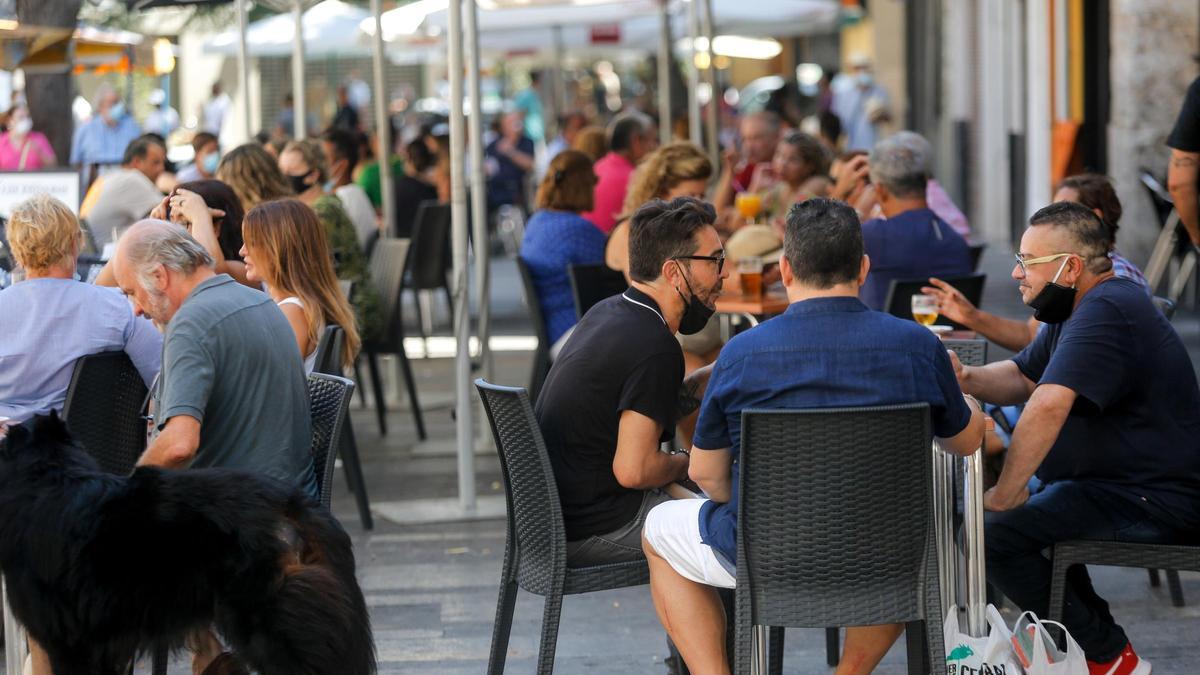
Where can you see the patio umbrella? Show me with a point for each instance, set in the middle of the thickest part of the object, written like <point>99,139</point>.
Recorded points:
<point>330,28</point>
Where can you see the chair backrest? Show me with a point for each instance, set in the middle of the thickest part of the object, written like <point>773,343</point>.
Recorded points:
<point>329,404</point>
<point>976,251</point>
<point>835,515</point>
<point>899,298</point>
<point>329,351</point>
<point>387,275</point>
<point>1164,305</point>
<point>970,352</point>
<point>431,245</point>
<point>103,410</point>
<point>534,304</point>
<point>535,522</point>
<point>592,283</point>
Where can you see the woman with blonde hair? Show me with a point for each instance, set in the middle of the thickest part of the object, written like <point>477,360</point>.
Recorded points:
<point>285,248</point>
<point>592,141</point>
<point>253,175</point>
<point>674,170</point>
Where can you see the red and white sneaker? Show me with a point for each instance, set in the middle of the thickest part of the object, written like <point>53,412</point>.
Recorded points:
<point>1127,663</point>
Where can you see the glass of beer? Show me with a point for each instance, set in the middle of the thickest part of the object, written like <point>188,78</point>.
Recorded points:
<point>748,204</point>
<point>750,269</point>
<point>924,309</point>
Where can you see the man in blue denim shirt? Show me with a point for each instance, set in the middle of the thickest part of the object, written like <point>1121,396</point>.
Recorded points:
<point>827,350</point>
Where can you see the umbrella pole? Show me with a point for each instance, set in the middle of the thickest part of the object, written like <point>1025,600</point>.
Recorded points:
<point>479,224</point>
<point>693,81</point>
<point>458,231</point>
<point>383,127</point>
<point>664,73</point>
<point>300,118</point>
<point>243,67</point>
<point>712,120</point>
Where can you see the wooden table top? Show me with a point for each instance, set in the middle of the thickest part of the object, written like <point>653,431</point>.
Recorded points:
<point>735,303</point>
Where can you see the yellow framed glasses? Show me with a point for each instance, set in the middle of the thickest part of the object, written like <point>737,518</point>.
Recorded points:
<point>1026,262</point>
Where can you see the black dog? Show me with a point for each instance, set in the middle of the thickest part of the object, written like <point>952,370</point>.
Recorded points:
<point>101,569</point>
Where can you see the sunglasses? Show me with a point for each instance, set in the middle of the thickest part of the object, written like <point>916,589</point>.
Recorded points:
<point>719,259</point>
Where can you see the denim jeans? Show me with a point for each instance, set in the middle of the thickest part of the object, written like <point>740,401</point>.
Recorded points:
<point>1017,541</point>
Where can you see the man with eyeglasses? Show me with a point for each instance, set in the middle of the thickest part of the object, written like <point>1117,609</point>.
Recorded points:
<point>613,394</point>
<point>1108,446</point>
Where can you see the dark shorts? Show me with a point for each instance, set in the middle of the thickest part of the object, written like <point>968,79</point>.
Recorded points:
<point>621,545</point>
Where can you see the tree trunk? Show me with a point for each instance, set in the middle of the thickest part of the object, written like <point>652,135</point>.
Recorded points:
<point>50,95</point>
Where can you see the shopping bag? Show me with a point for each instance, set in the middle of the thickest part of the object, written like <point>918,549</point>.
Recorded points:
<point>1039,654</point>
<point>991,655</point>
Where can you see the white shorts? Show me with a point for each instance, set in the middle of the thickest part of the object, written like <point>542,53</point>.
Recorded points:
<point>673,529</point>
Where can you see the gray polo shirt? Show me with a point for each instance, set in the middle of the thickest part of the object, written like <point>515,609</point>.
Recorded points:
<point>230,360</point>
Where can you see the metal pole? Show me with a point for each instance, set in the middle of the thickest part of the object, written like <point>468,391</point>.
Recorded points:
<point>478,191</point>
<point>458,231</point>
<point>664,73</point>
<point>693,82</point>
<point>1037,104</point>
<point>713,120</point>
<point>560,80</point>
<point>973,532</point>
<point>243,64</point>
<point>300,119</point>
<point>383,130</point>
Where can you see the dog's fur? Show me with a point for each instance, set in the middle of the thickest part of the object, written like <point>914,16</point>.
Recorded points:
<point>101,568</point>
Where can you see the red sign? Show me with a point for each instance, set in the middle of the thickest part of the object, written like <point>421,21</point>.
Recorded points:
<point>606,34</point>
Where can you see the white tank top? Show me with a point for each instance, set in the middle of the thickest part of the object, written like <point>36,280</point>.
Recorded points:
<point>310,359</point>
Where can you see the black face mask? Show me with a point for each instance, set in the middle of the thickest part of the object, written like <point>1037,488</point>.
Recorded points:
<point>299,184</point>
<point>695,313</point>
<point>1054,303</point>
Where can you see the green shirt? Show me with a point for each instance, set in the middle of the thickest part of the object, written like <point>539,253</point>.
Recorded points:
<point>350,263</point>
<point>368,179</point>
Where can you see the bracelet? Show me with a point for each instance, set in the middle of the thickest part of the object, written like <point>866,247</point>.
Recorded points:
<point>680,451</point>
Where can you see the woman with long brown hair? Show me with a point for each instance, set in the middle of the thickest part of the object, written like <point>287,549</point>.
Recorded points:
<point>253,175</point>
<point>285,248</point>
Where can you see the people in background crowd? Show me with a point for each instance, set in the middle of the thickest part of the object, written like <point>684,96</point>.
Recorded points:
<point>1111,428</point>
<point>215,111</point>
<point>415,186</point>
<point>285,122</point>
<point>346,117</point>
<point>529,102</point>
<point>861,103</point>
<point>631,136</point>
<point>509,160</point>
<point>592,141</point>
<point>613,393</point>
<point>286,250</point>
<point>368,177</point>
<point>798,171</point>
<point>163,119</point>
<point>1093,191</point>
<point>341,147</point>
<point>758,134</point>
<point>569,126</point>
<point>910,241</point>
<point>22,148</point>
<point>557,236</point>
<point>807,358</point>
<point>128,194</point>
<point>100,142</point>
<point>253,174</point>
<point>207,154</point>
<point>60,319</point>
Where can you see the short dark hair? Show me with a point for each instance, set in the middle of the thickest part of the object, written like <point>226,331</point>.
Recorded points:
<point>1096,192</point>
<point>345,145</point>
<point>823,243</point>
<point>662,230</point>
<point>418,156</point>
<point>625,128</point>
<point>202,139</point>
<point>140,146</point>
<point>1090,234</point>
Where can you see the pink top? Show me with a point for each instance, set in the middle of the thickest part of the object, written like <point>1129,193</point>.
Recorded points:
<point>613,172</point>
<point>940,203</point>
<point>40,153</point>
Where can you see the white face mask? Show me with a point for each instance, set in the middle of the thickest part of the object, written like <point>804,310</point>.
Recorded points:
<point>22,126</point>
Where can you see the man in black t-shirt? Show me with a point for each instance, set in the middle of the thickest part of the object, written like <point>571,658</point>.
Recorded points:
<point>613,393</point>
<point>1111,428</point>
<point>1183,172</point>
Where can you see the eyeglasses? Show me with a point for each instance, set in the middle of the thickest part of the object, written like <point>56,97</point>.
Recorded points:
<point>719,259</point>
<point>1024,262</point>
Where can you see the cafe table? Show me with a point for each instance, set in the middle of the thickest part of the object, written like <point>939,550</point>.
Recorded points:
<point>752,308</point>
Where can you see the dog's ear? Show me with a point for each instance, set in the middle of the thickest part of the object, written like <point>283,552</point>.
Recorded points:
<point>16,438</point>
<point>50,429</point>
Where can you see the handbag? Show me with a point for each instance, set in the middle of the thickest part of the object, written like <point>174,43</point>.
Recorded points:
<point>989,655</point>
<point>1039,653</point>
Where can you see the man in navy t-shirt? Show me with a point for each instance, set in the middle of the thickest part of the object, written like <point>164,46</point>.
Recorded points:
<point>827,350</point>
<point>1111,428</point>
<point>910,241</point>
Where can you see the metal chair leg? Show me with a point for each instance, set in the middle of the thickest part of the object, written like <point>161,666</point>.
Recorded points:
<point>410,383</point>
<point>1175,587</point>
<point>362,391</point>
<point>833,647</point>
<point>377,385</point>
<point>354,475</point>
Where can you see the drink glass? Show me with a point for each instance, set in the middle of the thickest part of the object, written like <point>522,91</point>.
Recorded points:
<point>750,270</point>
<point>924,309</point>
<point>748,204</point>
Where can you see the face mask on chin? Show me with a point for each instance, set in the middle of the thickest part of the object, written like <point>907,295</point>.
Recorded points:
<point>1054,303</point>
<point>695,313</point>
<point>299,184</point>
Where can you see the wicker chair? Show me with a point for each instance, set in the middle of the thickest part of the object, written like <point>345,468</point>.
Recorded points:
<point>104,407</point>
<point>1170,557</point>
<point>592,283</point>
<point>535,554</point>
<point>835,526</point>
<point>387,274</point>
<point>970,352</point>
<point>329,405</point>
<point>541,357</point>
<point>329,362</point>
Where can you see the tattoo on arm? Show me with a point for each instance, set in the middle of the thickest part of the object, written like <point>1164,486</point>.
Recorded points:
<point>689,398</point>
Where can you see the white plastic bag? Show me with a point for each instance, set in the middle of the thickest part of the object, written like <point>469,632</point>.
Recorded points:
<point>991,655</point>
<point>1037,651</point>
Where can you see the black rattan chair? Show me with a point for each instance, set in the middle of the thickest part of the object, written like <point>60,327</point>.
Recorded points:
<point>970,352</point>
<point>387,273</point>
<point>1170,557</point>
<point>103,410</point>
<point>835,526</point>
<point>541,357</point>
<point>329,362</point>
<point>976,251</point>
<point>429,256</point>
<point>899,297</point>
<point>592,283</point>
<point>329,405</point>
<point>535,553</point>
